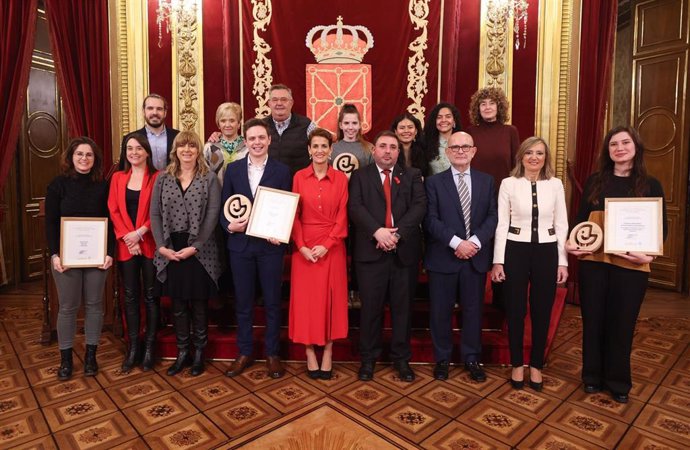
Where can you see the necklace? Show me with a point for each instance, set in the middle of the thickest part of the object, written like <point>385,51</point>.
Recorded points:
<point>230,147</point>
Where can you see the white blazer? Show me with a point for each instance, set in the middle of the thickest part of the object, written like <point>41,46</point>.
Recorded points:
<point>515,205</point>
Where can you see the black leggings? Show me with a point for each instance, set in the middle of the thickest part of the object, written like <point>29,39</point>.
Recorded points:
<point>136,272</point>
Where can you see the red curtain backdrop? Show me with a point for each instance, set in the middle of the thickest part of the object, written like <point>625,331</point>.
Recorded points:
<point>18,24</point>
<point>596,59</point>
<point>79,37</point>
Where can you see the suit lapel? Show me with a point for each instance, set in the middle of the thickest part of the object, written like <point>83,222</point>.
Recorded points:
<point>477,194</point>
<point>375,177</point>
<point>396,177</point>
<point>243,179</point>
<point>449,183</point>
<point>122,199</point>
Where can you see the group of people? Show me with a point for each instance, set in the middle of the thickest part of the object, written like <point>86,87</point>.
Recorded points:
<point>419,194</point>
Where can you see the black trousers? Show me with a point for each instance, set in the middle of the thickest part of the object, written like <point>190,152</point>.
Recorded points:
<point>610,298</point>
<point>138,272</point>
<point>534,265</point>
<point>376,279</point>
<point>199,319</point>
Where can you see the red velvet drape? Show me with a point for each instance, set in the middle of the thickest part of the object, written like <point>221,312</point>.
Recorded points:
<point>17,31</point>
<point>596,60</point>
<point>79,37</point>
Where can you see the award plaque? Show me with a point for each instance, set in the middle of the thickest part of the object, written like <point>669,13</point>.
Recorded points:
<point>272,214</point>
<point>83,241</point>
<point>237,207</point>
<point>346,163</point>
<point>587,236</point>
<point>633,225</point>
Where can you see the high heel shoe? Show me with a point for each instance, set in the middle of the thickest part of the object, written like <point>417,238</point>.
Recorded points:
<point>314,374</point>
<point>326,374</point>
<point>517,384</point>
<point>537,386</point>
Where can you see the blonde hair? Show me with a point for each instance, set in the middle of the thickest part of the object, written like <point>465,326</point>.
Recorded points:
<point>192,139</point>
<point>228,107</point>
<point>519,169</point>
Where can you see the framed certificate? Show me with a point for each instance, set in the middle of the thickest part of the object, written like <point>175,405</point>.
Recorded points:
<point>83,241</point>
<point>272,214</point>
<point>634,225</point>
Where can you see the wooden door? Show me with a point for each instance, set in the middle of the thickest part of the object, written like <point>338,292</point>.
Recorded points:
<point>659,112</point>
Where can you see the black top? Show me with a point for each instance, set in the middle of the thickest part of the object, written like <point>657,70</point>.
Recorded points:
<point>75,197</point>
<point>132,202</point>
<point>618,187</point>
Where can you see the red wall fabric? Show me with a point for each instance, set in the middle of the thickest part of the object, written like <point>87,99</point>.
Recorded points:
<point>160,63</point>
<point>79,37</point>
<point>18,21</point>
<point>214,75</point>
<point>468,57</point>
<point>525,76</point>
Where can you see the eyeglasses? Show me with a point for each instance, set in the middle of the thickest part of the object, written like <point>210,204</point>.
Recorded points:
<point>280,99</point>
<point>81,155</point>
<point>460,148</point>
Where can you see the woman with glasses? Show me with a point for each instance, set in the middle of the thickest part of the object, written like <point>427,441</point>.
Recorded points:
<point>529,252</point>
<point>80,191</point>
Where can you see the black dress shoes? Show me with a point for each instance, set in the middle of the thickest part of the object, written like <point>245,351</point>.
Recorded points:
<point>592,388</point>
<point>620,398</point>
<point>314,374</point>
<point>366,371</point>
<point>326,374</point>
<point>517,384</point>
<point>441,370</point>
<point>536,386</point>
<point>476,371</point>
<point>404,371</point>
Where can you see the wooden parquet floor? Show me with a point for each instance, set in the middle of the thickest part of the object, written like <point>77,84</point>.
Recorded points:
<point>150,410</point>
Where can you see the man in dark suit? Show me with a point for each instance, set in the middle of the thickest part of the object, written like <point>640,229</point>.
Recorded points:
<point>252,257</point>
<point>386,206</point>
<point>160,137</point>
<point>460,224</point>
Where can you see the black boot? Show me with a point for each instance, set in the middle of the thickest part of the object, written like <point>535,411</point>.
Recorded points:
<point>152,317</point>
<point>181,321</point>
<point>90,364</point>
<point>65,370</point>
<point>132,355</point>
<point>198,364</point>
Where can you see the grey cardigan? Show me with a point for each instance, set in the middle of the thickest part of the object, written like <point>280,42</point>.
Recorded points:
<point>200,207</point>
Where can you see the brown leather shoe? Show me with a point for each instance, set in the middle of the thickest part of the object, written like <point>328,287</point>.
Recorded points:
<point>275,368</point>
<point>239,365</point>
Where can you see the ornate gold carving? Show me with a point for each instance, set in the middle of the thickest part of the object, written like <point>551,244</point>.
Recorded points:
<point>262,67</point>
<point>496,49</point>
<point>188,70</point>
<point>555,75</point>
<point>417,66</point>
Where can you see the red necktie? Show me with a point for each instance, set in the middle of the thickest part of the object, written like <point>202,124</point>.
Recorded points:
<point>387,194</point>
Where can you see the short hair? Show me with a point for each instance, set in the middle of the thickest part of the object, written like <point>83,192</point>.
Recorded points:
<point>228,107</point>
<point>256,122</point>
<point>491,93</point>
<point>67,162</point>
<point>183,138</point>
<point>144,142</point>
<point>519,169</point>
<point>320,132</point>
<point>279,86</point>
<point>159,97</point>
<point>387,133</point>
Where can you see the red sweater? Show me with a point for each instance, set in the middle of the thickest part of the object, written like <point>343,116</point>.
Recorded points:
<point>497,144</point>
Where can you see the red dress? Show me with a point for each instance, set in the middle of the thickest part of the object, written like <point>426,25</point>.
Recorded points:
<point>318,294</point>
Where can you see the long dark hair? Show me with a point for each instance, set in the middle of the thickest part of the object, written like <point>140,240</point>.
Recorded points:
<point>431,134</point>
<point>604,174</point>
<point>144,142</point>
<point>417,153</point>
<point>67,162</point>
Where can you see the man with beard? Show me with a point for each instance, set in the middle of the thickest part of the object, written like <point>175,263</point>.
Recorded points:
<point>160,137</point>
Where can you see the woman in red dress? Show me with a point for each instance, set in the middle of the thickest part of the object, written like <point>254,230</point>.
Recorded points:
<point>318,297</point>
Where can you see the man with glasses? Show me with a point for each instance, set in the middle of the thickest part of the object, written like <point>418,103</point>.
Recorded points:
<point>289,131</point>
<point>460,224</point>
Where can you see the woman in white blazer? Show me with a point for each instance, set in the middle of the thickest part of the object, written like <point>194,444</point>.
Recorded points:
<point>529,250</point>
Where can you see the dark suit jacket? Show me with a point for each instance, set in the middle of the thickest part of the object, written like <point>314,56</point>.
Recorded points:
<point>367,211</point>
<point>171,133</point>
<point>444,219</point>
<point>236,181</point>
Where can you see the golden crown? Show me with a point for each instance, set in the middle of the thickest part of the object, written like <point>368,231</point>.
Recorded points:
<point>339,44</point>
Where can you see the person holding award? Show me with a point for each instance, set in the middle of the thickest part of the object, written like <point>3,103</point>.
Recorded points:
<point>612,286</point>
<point>129,201</point>
<point>80,191</point>
<point>529,252</point>
<point>318,281</point>
<point>184,212</point>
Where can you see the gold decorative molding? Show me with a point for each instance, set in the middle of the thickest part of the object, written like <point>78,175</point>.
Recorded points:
<point>188,68</point>
<point>262,68</point>
<point>496,49</point>
<point>417,66</point>
<point>129,66</point>
<point>557,79</point>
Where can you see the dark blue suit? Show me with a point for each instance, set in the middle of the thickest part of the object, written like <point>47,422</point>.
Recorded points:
<point>250,256</point>
<point>449,274</point>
